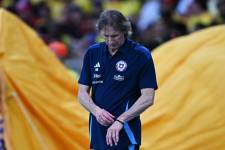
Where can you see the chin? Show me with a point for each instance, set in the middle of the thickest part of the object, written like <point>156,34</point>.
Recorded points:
<point>114,48</point>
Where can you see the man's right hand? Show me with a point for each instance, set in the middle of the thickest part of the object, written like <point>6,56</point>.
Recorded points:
<point>104,117</point>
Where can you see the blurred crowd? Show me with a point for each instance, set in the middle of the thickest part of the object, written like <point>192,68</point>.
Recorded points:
<point>68,26</point>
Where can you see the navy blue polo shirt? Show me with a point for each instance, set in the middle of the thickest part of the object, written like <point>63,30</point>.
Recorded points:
<point>116,83</point>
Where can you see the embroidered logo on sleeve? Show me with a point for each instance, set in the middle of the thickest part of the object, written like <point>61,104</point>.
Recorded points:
<point>121,66</point>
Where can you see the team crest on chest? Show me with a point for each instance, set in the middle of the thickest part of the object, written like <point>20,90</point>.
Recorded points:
<point>121,66</point>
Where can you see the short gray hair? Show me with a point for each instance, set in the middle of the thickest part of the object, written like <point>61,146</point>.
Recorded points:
<point>115,19</point>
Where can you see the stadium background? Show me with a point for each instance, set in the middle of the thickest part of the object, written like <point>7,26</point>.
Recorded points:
<point>38,93</point>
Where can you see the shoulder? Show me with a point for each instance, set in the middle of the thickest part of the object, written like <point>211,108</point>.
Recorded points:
<point>142,51</point>
<point>95,47</point>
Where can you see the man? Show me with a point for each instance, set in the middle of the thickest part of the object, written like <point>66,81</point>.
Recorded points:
<point>121,76</point>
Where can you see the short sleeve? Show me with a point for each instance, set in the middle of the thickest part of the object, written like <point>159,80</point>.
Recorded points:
<point>85,76</point>
<point>147,76</point>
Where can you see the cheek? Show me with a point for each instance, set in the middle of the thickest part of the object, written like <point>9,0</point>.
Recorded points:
<point>120,41</point>
<point>112,42</point>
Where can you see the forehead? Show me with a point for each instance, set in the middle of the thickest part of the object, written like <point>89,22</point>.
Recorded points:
<point>109,30</point>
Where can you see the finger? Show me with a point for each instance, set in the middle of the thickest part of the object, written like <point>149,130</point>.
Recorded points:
<point>114,137</point>
<point>110,114</point>
<point>107,138</point>
<point>117,136</point>
<point>110,138</point>
<point>107,119</point>
<point>103,121</point>
<point>100,121</point>
<point>104,124</point>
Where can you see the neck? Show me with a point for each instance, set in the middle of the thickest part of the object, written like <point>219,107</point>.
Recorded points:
<point>113,51</point>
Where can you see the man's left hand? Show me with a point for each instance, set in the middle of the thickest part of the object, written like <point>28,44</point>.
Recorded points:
<point>113,131</point>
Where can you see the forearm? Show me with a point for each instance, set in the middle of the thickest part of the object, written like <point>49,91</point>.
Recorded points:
<point>103,117</point>
<point>87,102</point>
<point>143,102</point>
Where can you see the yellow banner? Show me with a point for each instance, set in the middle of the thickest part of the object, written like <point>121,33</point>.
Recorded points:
<point>188,113</point>
<point>41,109</point>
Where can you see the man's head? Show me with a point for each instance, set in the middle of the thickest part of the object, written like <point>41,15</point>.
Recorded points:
<point>116,20</point>
<point>114,27</point>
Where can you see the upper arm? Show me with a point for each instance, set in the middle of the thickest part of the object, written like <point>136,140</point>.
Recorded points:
<point>84,88</point>
<point>85,76</point>
<point>147,76</point>
<point>148,93</point>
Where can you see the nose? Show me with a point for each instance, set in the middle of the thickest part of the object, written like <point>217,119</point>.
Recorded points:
<point>109,39</point>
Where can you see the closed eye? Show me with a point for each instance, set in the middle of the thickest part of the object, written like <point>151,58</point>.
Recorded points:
<point>112,36</point>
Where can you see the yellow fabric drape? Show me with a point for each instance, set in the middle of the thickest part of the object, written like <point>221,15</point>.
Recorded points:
<point>188,113</point>
<point>41,108</point>
<point>42,112</point>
